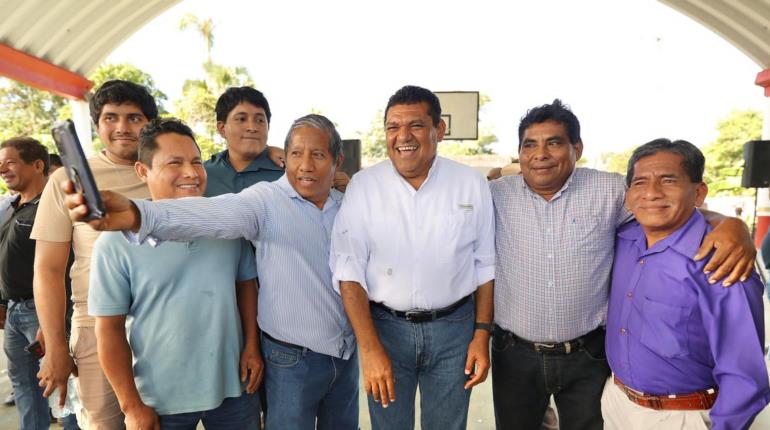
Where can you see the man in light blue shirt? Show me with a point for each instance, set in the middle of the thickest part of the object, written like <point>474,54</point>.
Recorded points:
<point>187,308</point>
<point>311,372</point>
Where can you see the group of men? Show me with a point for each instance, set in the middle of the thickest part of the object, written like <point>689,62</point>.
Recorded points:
<point>411,271</point>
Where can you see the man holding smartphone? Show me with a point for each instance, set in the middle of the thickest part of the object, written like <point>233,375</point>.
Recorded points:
<point>24,168</point>
<point>119,109</point>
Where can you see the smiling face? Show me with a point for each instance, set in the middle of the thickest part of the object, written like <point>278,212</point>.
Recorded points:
<point>412,140</point>
<point>310,166</point>
<point>177,169</point>
<point>245,130</point>
<point>16,172</point>
<point>661,195</point>
<point>547,157</point>
<point>118,129</point>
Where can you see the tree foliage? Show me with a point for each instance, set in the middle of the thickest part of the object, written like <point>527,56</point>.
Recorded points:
<point>615,161</point>
<point>27,111</point>
<point>131,73</point>
<point>373,143</point>
<point>199,96</point>
<point>724,156</point>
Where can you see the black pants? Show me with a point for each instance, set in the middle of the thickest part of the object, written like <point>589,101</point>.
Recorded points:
<point>523,381</point>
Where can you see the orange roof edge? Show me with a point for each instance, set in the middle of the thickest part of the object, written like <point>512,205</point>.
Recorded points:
<point>41,74</point>
<point>763,80</point>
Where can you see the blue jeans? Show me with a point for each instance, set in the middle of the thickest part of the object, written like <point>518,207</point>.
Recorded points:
<point>235,413</point>
<point>20,328</point>
<point>430,355</point>
<point>307,390</point>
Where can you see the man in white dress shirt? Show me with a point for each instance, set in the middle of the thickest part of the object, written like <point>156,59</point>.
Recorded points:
<point>413,258</point>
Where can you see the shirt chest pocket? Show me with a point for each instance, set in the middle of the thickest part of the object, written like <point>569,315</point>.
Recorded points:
<point>586,232</point>
<point>449,234</point>
<point>664,328</point>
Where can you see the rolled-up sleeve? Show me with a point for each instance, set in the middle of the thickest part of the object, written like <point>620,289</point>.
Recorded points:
<point>229,216</point>
<point>484,247</point>
<point>349,251</point>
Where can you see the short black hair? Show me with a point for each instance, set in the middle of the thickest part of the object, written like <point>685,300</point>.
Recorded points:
<point>693,160</point>
<point>30,150</point>
<point>148,143</point>
<point>55,160</point>
<point>234,96</point>
<point>555,111</point>
<point>119,91</point>
<point>410,94</point>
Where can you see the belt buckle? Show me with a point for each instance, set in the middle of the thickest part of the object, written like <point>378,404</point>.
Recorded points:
<point>546,346</point>
<point>416,316</point>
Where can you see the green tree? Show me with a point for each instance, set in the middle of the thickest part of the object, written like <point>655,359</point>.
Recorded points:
<point>615,161</point>
<point>724,156</point>
<point>27,111</point>
<point>204,27</point>
<point>373,141</point>
<point>131,73</point>
<point>199,96</point>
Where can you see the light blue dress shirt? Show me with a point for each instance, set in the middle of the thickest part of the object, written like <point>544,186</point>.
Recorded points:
<point>297,303</point>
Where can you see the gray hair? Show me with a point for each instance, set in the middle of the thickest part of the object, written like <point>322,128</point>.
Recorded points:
<point>322,123</point>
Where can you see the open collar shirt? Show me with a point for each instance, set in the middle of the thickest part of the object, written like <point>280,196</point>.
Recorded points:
<point>671,332</point>
<point>222,178</point>
<point>554,257</point>
<point>415,249</point>
<point>297,303</point>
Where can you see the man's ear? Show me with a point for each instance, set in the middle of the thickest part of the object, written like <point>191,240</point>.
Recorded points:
<point>578,150</point>
<point>340,160</point>
<point>141,171</point>
<point>440,130</point>
<point>221,129</point>
<point>701,191</point>
<point>39,165</point>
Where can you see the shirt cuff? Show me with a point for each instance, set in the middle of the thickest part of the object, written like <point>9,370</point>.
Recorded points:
<point>484,274</point>
<point>348,269</point>
<point>147,220</point>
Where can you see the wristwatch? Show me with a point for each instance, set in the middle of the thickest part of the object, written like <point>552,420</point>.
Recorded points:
<point>483,326</point>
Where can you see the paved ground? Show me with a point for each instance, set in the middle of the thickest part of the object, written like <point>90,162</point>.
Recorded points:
<point>480,417</point>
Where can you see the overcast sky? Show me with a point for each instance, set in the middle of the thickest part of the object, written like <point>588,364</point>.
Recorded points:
<point>632,71</point>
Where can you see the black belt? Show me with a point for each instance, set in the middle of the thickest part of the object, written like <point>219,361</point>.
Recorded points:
<point>286,344</point>
<point>558,348</point>
<point>423,316</point>
<point>19,299</point>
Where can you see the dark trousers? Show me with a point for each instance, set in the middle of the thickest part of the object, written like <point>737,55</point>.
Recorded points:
<point>523,381</point>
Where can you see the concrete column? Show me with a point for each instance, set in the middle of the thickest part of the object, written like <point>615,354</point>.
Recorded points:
<point>81,116</point>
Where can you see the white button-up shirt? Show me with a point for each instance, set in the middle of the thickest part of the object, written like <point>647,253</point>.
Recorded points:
<point>415,249</point>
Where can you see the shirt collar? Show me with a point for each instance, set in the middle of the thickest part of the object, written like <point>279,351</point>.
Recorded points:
<point>262,162</point>
<point>335,197</point>
<point>686,240</point>
<point>17,198</point>
<point>561,190</point>
<point>432,172</point>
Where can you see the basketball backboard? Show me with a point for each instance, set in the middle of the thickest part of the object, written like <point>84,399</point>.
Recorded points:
<point>460,111</point>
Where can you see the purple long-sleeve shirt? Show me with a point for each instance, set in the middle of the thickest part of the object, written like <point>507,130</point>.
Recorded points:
<point>670,332</point>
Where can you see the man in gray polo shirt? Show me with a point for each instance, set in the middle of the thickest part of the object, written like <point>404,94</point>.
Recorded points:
<point>555,231</point>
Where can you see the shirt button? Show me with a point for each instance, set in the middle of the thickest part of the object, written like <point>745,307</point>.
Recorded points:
<point>550,284</point>
<point>641,261</point>
<point>629,294</point>
<point>623,331</point>
<point>550,256</point>
<point>390,271</point>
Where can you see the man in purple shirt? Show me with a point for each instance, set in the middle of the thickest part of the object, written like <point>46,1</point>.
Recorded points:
<point>685,354</point>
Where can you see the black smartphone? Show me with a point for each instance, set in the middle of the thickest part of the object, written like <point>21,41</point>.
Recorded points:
<point>35,348</point>
<point>75,164</point>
